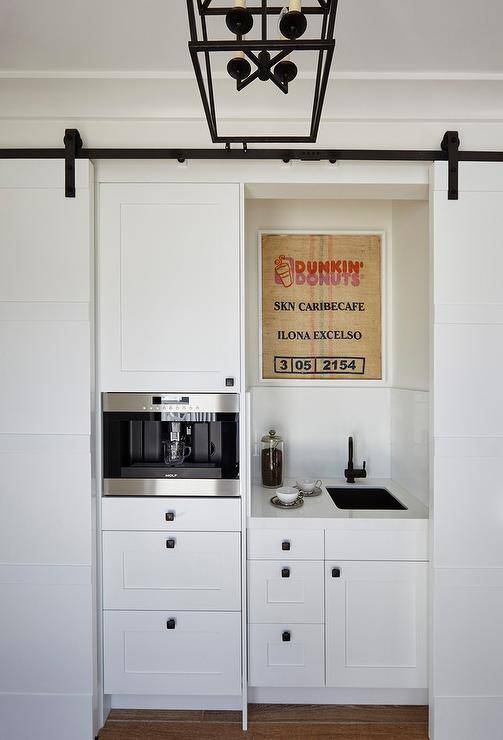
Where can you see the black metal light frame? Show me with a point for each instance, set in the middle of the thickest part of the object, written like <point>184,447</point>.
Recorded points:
<point>282,47</point>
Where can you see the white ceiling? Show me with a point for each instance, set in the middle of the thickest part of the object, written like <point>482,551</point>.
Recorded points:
<point>374,37</point>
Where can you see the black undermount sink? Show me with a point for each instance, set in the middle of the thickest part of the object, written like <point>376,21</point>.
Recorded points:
<point>363,498</point>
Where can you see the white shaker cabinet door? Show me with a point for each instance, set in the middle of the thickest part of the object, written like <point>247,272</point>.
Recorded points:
<point>376,616</point>
<point>171,652</point>
<point>169,286</point>
<point>176,570</point>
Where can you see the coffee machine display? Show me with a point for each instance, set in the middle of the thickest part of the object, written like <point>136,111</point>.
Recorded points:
<point>167,444</point>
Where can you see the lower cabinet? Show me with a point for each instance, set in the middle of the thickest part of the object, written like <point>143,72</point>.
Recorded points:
<point>284,655</point>
<point>334,623</point>
<point>172,597</point>
<point>376,621</point>
<point>169,652</point>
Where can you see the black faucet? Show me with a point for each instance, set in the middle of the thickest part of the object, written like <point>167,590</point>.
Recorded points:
<point>351,473</point>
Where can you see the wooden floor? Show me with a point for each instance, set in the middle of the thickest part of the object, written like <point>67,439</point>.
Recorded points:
<point>272,722</point>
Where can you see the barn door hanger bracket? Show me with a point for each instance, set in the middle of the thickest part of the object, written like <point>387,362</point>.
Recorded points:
<point>450,145</point>
<point>73,145</point>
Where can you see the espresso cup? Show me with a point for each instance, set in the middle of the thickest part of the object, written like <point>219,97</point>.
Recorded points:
<point>287,494</point>
<point>307,485</point>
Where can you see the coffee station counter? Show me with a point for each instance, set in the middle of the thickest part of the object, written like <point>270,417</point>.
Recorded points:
<point>316,508</point>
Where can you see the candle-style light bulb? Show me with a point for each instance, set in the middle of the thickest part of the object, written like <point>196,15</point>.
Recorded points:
<point>239,20</point>
<point>293,23</point>
<point>238,67</point>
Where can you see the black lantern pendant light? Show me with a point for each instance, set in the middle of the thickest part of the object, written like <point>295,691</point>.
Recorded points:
<point>255,56</point>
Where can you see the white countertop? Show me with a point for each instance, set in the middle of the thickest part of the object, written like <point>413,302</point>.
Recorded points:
<point>322,507</point>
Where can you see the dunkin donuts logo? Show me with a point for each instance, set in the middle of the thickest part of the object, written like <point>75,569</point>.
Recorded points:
<point>288,272</point>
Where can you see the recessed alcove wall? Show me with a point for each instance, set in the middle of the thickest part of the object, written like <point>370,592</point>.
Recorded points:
<point>388,419</point>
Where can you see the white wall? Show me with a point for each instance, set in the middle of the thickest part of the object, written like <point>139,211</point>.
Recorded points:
<point>410,278</point>
<point>410,441</point>
<point>411,347</point>
<point>389,421</point>
<point>390,111</point>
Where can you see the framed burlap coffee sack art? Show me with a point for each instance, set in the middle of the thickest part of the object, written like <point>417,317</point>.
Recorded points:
<point>321,306</point>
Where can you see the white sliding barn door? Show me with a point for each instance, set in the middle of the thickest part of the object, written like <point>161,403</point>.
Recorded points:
<point>467,651</point>
<point>46,642</point>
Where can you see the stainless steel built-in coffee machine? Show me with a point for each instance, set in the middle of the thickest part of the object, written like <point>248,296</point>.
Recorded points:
<point>170,444</point>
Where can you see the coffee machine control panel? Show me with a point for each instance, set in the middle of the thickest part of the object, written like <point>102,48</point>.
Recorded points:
<point>172,403</point>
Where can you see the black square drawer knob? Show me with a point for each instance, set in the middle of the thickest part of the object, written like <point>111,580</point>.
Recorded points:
<point>171,624</point>
<point>336,572</point>
<point>170,516</point>
<point>170,543</point>
<point>286,636</point>
<point>285,545</point>
<point>285,572</point>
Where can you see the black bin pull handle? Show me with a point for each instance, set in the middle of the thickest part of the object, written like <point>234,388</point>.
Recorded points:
<point>285,545</point>
<point>171,624</point>
<point>336,572</point>
<point>170,543</point>
<point>285,572</point>
<point>170,516</point>
<point>286,636</point>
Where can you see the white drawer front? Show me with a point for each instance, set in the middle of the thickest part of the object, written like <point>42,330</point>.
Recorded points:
<point>281,544</point>
<point>166,514</point>
<point>367,544</point>
<point>200,655</point>
<point>274,661</point>
<point>290,591</point>
<point>200,571</point>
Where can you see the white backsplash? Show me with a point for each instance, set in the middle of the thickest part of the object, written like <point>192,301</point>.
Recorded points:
<point>409,441</point>
<point>316,423</point>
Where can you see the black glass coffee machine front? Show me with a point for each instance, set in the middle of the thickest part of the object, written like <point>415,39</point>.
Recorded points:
<point>170,444</point>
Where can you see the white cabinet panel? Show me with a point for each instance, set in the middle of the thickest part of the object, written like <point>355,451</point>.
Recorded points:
<point>406,543</point>
<point>184,514</point>
<point>467,718</point>
<point>28,716</point>
<point>286,655</point>
<point>169,286</point>
<point>46,644</point>
<point>200,570</point>
<point>475,219</point>
<point>468,619</point>
<point>289,591</point>
<point>46,618</point>
<point>44,234</point>
<point>45,377</point>
<point>281,544</point>
<point>198,654</point>
<point>45,504</point>
<point>467,376</point>
<point>468,512</point>
<point>467,655</point>
<point>376,624</point>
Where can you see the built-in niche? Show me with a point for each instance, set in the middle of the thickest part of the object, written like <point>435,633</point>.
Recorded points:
<point>388,418</point>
